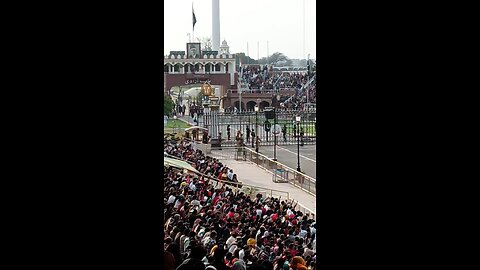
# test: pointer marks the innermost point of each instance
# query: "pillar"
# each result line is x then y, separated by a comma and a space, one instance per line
215, 25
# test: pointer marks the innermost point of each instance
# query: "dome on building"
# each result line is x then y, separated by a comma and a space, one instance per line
224, 49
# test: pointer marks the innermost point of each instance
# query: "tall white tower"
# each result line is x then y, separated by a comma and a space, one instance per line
215, 25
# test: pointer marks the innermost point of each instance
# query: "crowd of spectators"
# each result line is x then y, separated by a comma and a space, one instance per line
207, 165
219, 227
298, 100
260, 78
265, 78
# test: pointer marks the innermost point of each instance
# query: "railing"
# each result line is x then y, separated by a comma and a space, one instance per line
239, 121
297, 179
294, 177
264, 91
300, 207
237, 187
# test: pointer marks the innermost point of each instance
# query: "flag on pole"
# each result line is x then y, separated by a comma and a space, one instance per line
194, 19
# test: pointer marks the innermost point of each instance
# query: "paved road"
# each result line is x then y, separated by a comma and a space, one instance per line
287, 154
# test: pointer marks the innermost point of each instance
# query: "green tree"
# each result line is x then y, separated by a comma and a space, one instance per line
276, 59
167, 105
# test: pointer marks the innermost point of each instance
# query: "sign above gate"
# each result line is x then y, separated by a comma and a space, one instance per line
197, 81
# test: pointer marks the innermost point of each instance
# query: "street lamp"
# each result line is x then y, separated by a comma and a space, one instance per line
256, 128
275, 129
297, 120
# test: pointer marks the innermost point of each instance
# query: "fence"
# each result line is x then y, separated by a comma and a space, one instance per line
298, 179
249, 190
248, 121
292, 176
299, 207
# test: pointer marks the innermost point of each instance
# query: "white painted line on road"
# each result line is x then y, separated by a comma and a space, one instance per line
296, 153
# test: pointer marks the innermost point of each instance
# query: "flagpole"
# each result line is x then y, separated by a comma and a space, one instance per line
303, 29
267, 54
194, 20
248, 59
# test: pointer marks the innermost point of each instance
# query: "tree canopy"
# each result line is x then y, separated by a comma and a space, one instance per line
167, 105
276, 59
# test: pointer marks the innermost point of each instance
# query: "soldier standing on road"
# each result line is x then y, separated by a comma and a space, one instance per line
205, 137
248, 134
253, 138
228, 132
257, 143
284, 131
237, 137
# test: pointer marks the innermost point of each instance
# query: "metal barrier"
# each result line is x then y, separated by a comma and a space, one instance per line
298, 179
292, 176
249, 190
239, 121
299, 207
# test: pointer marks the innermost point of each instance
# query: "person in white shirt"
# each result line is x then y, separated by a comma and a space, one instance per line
259, 211
171, 199
234, 246
192, 186
230, 175
303, 232
308, 251
230, 240
241, 254
313, 230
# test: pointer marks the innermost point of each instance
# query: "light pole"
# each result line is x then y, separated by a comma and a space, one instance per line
275, 129
297, 119
256, 128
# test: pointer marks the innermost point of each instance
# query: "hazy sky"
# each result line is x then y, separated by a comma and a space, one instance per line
280, 22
